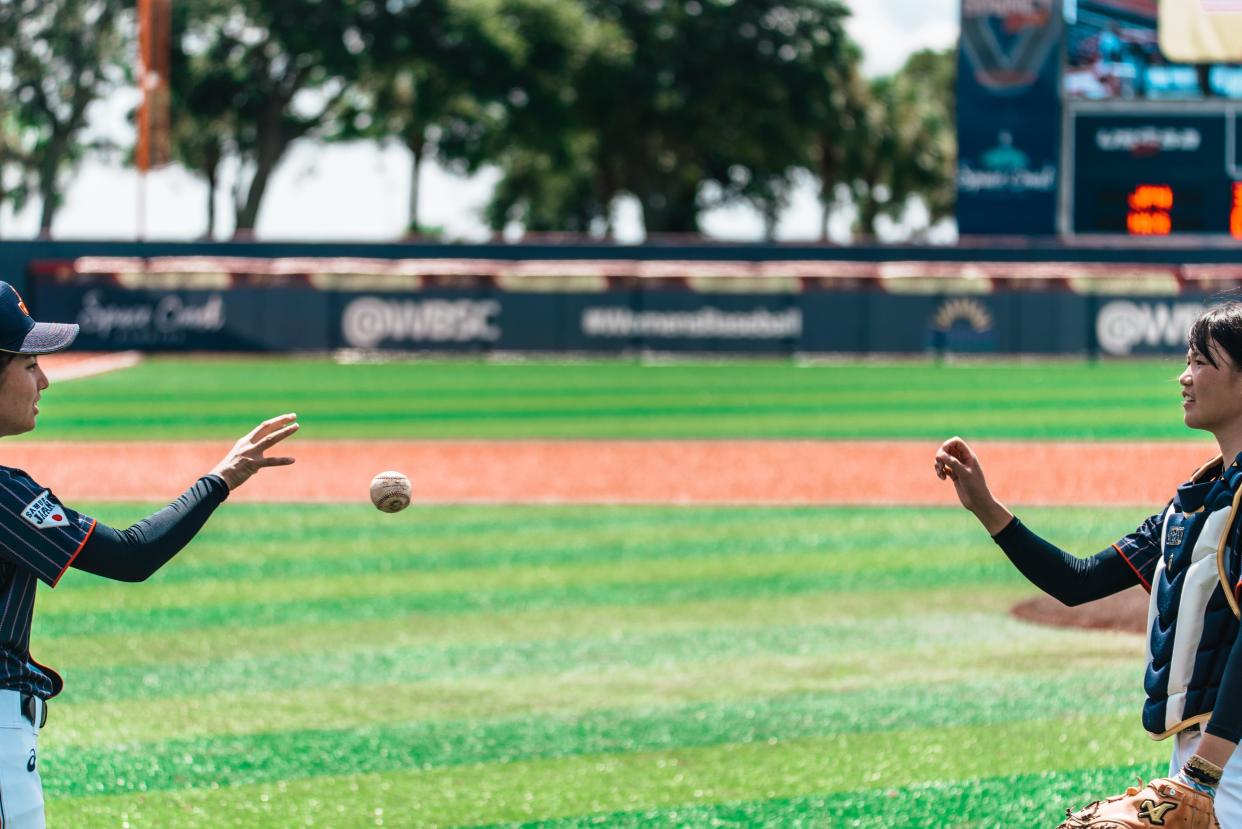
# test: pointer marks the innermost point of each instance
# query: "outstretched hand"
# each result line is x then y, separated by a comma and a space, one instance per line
957, 462
246, 457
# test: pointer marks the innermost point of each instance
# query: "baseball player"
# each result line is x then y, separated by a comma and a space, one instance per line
1188, 557
40, 538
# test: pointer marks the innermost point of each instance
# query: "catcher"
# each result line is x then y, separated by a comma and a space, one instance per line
1188, 557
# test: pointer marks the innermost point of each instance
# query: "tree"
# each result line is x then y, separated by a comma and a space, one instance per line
61, 56
15, 164
928, 168
841, 139
895, 143
259, 75
551, 191
547, 151
685, 104
430, 76
715, 91
204, 89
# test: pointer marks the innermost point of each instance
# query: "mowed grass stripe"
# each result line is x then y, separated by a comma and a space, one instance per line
699, 568
360, 606
558, 787
192, 398
130, 721
245, 541
88, 649
325, 539
412, 664
1012, 800
220, 760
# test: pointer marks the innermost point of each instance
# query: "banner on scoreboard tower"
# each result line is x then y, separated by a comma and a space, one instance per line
1201, 31
1008, 117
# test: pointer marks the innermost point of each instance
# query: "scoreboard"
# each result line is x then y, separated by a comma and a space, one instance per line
1149, 169
1093, 119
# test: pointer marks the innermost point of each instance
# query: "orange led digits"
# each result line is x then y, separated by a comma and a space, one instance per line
1149, 223
1149, 210
1151, 196
1235, 212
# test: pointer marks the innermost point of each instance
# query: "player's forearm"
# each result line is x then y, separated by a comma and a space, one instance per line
1216, 750
1067, 578
993, 515
135, 553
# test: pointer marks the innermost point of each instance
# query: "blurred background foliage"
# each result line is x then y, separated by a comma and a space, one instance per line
685, 105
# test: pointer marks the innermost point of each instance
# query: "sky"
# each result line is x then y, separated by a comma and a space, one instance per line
359, 192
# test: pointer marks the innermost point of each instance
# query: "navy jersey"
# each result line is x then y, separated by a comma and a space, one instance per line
1141, 548
39, 538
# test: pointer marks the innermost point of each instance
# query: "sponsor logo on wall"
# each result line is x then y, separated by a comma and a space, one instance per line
963, 324
1124, 327
164, 319
1005, 168
1007, 42
369, 321
702, 323
968, 312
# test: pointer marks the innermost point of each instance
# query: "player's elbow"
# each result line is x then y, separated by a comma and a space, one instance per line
133, 575
1071, 598
1076, 598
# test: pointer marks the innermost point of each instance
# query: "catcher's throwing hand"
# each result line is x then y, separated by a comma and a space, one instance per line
246, 456
1162, 802
957, 462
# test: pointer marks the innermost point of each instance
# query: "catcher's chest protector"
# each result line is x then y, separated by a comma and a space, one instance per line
1192, 619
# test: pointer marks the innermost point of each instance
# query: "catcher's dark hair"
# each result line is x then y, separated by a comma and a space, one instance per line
1220, 324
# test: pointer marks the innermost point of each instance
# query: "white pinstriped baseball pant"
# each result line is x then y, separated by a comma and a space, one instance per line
21, 789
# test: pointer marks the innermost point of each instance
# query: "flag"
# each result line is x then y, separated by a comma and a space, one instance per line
154, 60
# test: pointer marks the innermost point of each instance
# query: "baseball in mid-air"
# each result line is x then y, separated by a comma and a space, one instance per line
390, 491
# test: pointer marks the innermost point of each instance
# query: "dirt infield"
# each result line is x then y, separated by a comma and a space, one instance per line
679, 472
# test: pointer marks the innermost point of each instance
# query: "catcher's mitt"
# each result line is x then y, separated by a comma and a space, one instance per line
1162, 802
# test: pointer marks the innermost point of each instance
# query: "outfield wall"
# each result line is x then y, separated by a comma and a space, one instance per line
614, 306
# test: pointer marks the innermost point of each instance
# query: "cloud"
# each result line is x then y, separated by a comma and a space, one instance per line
890, 30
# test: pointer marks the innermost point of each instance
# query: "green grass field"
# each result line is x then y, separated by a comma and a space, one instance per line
574, 667
591, 666
172, 398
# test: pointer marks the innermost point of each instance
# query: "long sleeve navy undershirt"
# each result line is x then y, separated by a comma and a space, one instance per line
1074, 580
1067, 578
137, 552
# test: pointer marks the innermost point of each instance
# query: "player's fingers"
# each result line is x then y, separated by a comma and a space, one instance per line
271, 424
957, 447
275, 437
274, 461
943, 465
953, 467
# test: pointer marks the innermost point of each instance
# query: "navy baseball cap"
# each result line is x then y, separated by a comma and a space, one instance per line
20, 334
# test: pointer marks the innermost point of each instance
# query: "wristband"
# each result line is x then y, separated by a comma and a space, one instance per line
1202, 771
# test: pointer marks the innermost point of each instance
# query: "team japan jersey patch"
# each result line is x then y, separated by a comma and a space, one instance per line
1176, 534
45, 513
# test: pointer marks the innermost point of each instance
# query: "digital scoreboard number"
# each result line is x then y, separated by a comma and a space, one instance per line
1142, 170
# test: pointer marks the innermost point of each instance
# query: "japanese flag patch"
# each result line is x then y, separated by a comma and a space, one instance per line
45, 513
